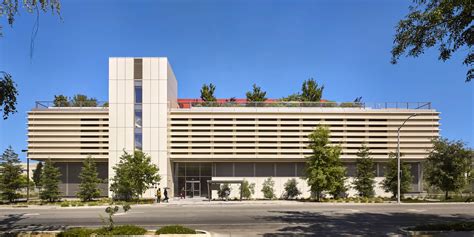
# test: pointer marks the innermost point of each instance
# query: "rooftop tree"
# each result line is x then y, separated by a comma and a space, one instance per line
207, 93
448, 166
10, 175
445, 24
256, 95
79, 100
311, 91
61, 101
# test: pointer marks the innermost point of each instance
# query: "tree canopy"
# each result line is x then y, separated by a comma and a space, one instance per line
364, 180
390, 182
10, 9
89, 185
324, 169
37, 174
207, 93
10, 175
50, 180
446, 24
311, 91
448, 166
256, 95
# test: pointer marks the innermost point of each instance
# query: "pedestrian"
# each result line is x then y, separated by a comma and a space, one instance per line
166, 195
182, 193
158, 195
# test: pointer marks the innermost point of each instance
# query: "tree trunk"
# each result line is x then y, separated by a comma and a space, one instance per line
446, 196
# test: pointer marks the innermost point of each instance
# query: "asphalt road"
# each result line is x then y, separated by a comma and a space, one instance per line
232, 219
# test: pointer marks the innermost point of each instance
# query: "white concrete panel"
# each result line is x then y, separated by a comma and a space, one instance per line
112, 139
112, 91
120, 139
112, 68
162, 116
129, 115
163, 91
154, 68
146, 139
112, 115
129, 96
121, 91
129, 139
154, 91
120, 68
129, 68
162, 139
146, 115
154, 119
154, 136
120, 115
146, 68
146, 91
163, 68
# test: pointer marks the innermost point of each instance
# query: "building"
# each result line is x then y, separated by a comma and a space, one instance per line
192, 141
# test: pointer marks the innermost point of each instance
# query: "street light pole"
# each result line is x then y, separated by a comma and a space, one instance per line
398, 157
27, 176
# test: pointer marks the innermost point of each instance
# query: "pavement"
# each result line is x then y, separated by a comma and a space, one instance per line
249, 218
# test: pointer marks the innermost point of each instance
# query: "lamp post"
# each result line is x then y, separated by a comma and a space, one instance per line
398, 157
27, 175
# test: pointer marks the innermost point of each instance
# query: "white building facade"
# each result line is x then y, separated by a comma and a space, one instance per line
192, 142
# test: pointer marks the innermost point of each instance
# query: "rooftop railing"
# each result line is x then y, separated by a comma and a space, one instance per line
69, 104
361, 105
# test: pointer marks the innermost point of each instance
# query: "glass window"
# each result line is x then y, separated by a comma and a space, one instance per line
264, 170
206, 169
138, 116
138, 68
285, 169
244, 170
300, 167
224, 170
138, 139
351, 169
138, 92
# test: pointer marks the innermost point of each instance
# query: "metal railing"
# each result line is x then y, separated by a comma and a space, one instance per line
69, 104
361, 105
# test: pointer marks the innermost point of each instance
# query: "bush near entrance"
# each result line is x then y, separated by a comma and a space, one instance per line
174, 229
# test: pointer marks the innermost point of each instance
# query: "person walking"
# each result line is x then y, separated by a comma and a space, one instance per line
166, 195
182, 194
158, 195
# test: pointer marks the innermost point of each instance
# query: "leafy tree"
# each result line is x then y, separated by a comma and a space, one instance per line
111, 211
89, 186
207, 93
24, 182
224, 191
10, 175
256, 95
50, 182
311, 91
83, 101
291, 189
364, 181
8, 94
446, 24
267, 188
324, 169
247, 189
61, 101
448, 165
134, 174
37, 174
390, 182
10, 9
291, 98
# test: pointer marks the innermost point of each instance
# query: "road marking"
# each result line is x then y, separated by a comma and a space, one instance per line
32, 214
416, 210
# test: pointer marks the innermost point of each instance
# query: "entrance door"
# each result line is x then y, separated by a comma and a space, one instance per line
193, 188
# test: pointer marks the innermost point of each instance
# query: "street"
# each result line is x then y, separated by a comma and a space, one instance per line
249, 219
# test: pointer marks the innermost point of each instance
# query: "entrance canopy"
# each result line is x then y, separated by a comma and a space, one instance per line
210, 182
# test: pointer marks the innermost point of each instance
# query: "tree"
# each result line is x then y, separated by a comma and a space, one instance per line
446, 24
224, 191
364, 181
291, 189
10, 175
207, 93
37, 174
256, 95
448, 165
247, 189
311, 91
292, 98
10, 9
89, 186
324, 169
390, 182
267, 188
134, 174
79, 100
61, 101
50, 182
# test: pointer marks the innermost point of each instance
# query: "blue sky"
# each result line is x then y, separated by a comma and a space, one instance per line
277, 44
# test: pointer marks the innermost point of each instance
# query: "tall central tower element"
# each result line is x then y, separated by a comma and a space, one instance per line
141, 93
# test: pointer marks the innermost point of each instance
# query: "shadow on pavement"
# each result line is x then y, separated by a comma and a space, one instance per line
8, 225
302, 223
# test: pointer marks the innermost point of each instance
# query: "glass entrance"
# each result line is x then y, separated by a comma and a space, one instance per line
193, 188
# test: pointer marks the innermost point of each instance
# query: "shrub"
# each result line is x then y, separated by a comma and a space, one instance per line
450, 226
267, 189
64, 204
291, 189
224, 191
76, 232
174, 229
121, 230
247, 189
